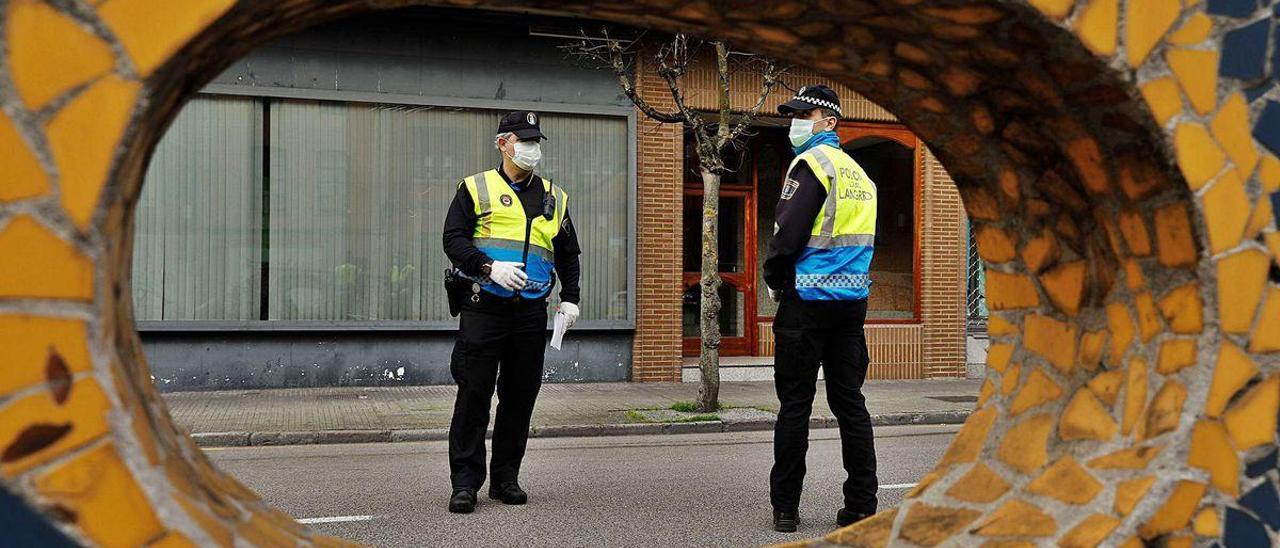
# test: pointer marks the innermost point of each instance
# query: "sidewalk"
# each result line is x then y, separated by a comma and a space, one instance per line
418, 413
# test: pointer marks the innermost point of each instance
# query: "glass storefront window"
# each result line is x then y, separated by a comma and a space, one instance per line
732, 313
892, 166
339, 214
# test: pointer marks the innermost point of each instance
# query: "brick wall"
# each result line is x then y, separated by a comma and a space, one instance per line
659, 162
943, 270
657, 347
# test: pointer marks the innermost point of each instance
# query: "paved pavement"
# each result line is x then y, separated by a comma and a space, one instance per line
680, 490
416, 413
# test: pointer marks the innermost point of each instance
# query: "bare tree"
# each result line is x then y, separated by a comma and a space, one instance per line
713, 133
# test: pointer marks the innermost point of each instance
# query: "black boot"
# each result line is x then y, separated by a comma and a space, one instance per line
846, 517
463, 501
509, 493
785, 522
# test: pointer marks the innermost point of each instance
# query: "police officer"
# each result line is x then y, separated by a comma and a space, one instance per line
817, 267
508, 231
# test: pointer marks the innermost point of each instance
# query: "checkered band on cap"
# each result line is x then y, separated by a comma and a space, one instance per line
816, 101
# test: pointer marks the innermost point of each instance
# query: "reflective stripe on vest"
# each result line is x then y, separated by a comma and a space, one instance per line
500, 231
836, 261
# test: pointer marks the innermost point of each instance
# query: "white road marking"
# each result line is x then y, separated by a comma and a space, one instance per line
335, 519
898, 486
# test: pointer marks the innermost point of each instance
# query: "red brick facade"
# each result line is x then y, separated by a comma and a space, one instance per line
933, 348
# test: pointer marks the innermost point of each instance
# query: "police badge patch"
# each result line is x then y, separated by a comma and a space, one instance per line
789, 189
532, 119
506, 201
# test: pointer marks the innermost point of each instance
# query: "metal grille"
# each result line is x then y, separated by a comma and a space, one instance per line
976, 299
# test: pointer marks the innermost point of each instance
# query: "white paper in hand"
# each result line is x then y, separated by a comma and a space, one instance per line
557, 336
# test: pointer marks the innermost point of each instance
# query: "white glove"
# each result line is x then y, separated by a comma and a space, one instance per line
773, 294
570, 312
508, 275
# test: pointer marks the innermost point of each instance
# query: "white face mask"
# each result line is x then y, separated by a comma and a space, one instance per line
801, 131
528, 154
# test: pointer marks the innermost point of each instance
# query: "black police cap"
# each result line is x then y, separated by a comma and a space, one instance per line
811, 97
523, 123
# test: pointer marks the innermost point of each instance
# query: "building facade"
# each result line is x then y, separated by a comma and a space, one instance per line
289, 230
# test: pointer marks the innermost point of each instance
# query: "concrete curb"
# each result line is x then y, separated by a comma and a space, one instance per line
314, 437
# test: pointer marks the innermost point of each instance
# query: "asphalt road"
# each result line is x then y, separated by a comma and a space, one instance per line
674, 490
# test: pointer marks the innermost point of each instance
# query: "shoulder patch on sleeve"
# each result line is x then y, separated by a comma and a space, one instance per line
789, 189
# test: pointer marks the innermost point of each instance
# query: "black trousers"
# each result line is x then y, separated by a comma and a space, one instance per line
809, 334
499, 345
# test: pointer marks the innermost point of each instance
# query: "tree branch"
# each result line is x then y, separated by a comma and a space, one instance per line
613, 55
771, 77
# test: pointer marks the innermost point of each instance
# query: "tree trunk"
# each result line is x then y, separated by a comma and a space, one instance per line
709, 360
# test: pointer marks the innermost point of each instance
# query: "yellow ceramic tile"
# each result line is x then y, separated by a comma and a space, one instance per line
1041, 251
1197, 73
1128, 493
49, 54
1194, 31
212, 526
21, 176
968, 441
1057, 9
1176, 355
110, 507
1107, 386
1163, 98
1183, 309
1266, 336
1231, 128
1145, 22
1237, 301
1017, 518
1091, 346
1065, 286
151, 31
1053, 339
1133, 277
1010, 291
1223, 204
1174, 241
30, 343
1260, 220
1135, 394
1024, 447
1252, 421
83, 137
1269, 173
1122, 330
1148, 318
1166, 409
1090, 532
36, 428
995, 244
1135, 458
173, 540
998, 356
1233, 371
1273, 243
985, 393
1009, 380
1038, 390
979, 485
260, 532
35, 263
1096, 26
1066, 481
1199, 157
1211, 450
998, 326
1135, 232
931, 525
1207, 523
924, 484
1176, 511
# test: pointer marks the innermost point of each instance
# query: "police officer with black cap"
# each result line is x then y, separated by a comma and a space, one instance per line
509, 237
818, 266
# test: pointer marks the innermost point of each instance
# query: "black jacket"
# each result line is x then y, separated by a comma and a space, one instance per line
801, 200
460, 226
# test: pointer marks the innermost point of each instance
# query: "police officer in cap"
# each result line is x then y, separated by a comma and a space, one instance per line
817, 267
508, 232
